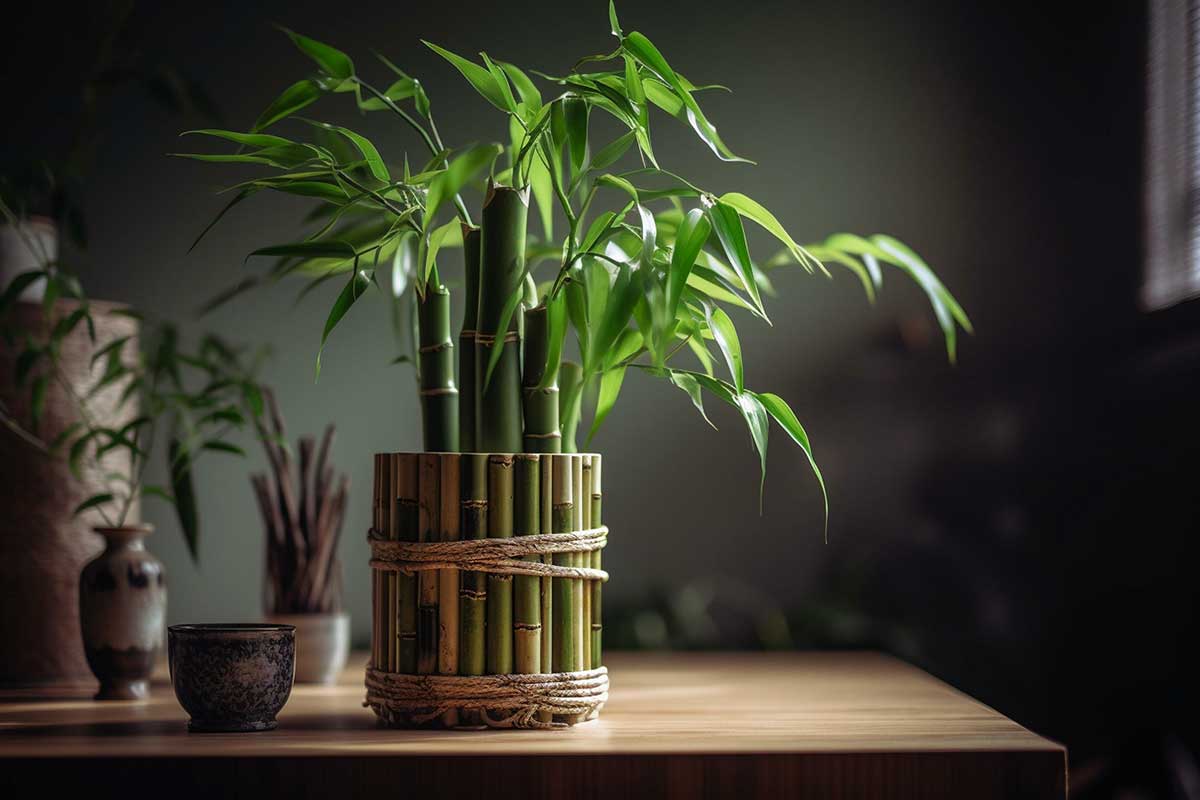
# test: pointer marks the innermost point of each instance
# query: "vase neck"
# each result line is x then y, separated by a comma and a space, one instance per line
128, 537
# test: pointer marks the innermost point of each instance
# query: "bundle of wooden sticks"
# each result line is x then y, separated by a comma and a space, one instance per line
303, 515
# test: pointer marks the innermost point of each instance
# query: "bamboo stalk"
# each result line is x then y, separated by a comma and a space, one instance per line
473, 524
377, 610
546, 512
501, 274
406, 527
527, 601
429, 521
570, 400
448, 579
597, 586
439, 395
388, 579
468, 400
540, 402
500, 587
564, 629
577, 495
585, 560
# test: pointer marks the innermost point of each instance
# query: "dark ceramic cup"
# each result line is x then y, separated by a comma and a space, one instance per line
232, 677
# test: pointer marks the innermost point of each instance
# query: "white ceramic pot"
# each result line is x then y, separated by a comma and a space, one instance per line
322, 644
26, 246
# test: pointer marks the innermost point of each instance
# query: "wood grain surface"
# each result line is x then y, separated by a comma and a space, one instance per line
708, 725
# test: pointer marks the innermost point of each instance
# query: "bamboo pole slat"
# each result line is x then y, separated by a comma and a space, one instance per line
500, 587
406, 527
597, 626
527, 602
429, 493
585, 560
448, 579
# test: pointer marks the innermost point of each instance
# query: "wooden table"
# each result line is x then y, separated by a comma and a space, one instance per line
678, 725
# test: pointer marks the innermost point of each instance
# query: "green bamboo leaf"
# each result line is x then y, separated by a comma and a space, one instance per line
357, 286
506, 314
732, 236
458, 173
947, 308
556, 312
823, 254
510, 102
216, 445
480, 78
576, 293
225, 295
260, 140
598, 280
331, 60
321, 249
617, 310
691, 387
239, 197
726, 337
649, 235
752, 210
529, 93
92, 502
152, 490
297, 96
25, 363
693, 232
64, 326
404, 264
674, 186
642, 49
252, 394
184, 492
702, 282
37, 401
575, 114
448, 235
756, 420
369, 153
612, 19
18, 285
783, 414
700, 350
541, 186
64, 436
616, 181
612, 152
610, 388
401, 89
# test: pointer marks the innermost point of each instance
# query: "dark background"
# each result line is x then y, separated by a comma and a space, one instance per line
1022, 525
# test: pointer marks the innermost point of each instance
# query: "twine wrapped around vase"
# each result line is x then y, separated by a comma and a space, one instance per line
486, 590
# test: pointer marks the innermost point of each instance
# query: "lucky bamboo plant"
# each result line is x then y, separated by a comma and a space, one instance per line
648, 267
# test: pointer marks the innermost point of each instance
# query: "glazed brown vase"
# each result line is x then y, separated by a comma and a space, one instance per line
123, 613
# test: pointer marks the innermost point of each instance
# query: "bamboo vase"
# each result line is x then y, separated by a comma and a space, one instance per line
453, 622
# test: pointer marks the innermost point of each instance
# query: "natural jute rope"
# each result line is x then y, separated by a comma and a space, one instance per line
402, 699
516, 699
497, 556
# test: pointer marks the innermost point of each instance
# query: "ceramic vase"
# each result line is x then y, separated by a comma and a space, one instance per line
122, 611
322, 644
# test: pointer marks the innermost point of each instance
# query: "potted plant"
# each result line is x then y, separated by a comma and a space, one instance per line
41, 189
303, 511
647, 270
101, 427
